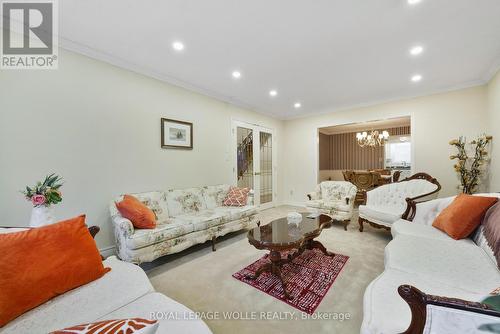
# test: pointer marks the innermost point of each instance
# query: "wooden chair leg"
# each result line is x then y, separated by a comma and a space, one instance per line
213, 244
360, 220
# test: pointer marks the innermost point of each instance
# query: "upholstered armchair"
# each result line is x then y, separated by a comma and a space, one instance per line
391, 202
335, 199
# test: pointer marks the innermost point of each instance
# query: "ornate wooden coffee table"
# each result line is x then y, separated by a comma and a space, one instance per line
280, 236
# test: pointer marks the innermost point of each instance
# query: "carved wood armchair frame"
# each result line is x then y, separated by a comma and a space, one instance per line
418, 301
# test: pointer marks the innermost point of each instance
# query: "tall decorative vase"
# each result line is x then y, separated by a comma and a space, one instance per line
42, 215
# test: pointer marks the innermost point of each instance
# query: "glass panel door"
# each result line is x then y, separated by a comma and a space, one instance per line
266, 167
255, 161
244, 152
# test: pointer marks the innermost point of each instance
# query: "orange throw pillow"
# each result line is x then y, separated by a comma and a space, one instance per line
41, 263
140, 215
463, 215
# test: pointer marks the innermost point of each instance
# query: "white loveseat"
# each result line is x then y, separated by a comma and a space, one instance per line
428, 259
391, 202
124, 292
185, 217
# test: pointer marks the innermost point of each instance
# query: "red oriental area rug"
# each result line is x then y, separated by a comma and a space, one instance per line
308, 278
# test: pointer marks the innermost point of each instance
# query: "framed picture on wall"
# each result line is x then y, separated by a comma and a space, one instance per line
176, 134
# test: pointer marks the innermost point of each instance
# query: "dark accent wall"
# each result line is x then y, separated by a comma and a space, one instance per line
342, 152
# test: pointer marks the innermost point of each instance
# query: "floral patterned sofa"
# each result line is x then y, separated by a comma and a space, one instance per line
185, 217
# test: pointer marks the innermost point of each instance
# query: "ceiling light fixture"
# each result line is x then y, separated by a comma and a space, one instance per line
416, 50
178, 46
236, 74
373, 139
297, 105
416, 78
273, 93
413, 2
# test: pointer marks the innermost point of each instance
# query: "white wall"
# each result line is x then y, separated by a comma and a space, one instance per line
436, 119
494, 130
98, 126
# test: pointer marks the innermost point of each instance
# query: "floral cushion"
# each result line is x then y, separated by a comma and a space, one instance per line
237, 197
337, 190
338, 205
203, 220
185, 201
214, 195
315, 203
173, 229
175, 245
234, 212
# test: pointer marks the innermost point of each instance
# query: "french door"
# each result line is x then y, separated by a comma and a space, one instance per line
255, 161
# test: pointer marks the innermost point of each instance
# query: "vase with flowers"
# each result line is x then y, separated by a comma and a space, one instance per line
43, 196
472, 161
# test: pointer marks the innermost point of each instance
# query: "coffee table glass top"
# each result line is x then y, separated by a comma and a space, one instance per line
280, 232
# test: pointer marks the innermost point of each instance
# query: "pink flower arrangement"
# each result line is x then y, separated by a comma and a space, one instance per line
45, 193
38, 200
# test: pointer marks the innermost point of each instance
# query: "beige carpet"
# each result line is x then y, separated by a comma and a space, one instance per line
201, 280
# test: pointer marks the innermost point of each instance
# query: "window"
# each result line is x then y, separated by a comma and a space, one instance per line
398, 152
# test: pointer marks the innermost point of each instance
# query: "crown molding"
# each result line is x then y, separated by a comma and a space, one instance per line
492, 71
92, 53
401, 98
95, 54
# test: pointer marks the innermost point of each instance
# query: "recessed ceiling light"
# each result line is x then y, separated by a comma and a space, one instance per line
416, 78
273, 93
416, 50
297, 105
178, 46
236, 74
413, 2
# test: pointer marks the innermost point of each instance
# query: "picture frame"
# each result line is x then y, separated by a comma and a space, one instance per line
176, 134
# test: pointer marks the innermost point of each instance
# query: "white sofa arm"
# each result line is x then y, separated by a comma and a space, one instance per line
123, 226
426, 212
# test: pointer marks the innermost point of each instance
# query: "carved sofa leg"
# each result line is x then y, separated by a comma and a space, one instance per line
213, 244
360, 221
346, 222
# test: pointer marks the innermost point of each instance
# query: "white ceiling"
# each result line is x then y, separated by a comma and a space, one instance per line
327, 54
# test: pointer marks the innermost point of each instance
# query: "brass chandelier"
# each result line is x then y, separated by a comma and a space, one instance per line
372, 139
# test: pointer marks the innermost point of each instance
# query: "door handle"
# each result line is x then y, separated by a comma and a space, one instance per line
256, 173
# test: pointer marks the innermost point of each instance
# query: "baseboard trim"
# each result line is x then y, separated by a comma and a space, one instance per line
107, 251
299, 204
